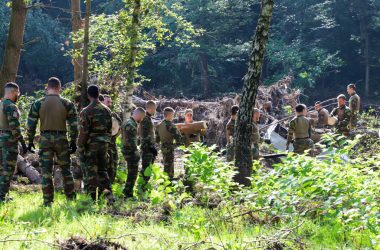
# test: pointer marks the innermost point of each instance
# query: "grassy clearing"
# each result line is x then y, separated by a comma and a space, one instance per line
25, 224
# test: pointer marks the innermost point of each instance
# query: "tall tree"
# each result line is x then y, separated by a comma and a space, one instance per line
243, 154
86, 40
14, 43
76, 23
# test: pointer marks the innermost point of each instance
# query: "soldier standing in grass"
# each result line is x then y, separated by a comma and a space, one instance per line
230, 130
94, 138
54, 112
354, 104
169, 136
147, 139
112, 155
10, 136
130, 149
300, 131
343, 114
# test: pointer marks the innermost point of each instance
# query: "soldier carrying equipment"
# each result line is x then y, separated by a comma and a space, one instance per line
53, 111
343, 114
10, 136
194, 136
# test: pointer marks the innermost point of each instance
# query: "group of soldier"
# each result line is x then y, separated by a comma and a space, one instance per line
302, 127
96, 144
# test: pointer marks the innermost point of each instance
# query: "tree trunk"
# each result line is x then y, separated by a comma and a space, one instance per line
243, 155
203, 65
76, 23
14, 43
131, 75
83, 84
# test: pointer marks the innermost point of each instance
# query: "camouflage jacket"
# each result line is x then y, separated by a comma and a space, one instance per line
354, 103
71, 118
147, 133
299, 128
167, 133
129, 136
95, 124
343, 113
11, 116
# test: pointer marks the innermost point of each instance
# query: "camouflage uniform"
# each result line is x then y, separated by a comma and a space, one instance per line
230, 127
354, 105
300, 131
323, 116
10, 136
343, 113
255, 140
167, 132
113, 158
53, 112
94, 138
147, 138
131, 154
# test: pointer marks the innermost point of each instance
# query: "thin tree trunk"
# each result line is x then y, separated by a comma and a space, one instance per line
12, 52
76, 23
83, 84
203, 65
131, 75
243, 154
367, 66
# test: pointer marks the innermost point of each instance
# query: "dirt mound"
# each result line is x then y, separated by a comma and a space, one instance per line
78, 242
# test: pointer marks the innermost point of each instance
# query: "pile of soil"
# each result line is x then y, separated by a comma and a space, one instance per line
77, 243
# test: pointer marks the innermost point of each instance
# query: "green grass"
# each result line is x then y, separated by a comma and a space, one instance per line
189, 227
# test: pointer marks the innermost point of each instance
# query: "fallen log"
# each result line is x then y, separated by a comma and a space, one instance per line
28, 170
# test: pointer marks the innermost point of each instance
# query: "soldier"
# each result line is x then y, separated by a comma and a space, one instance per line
354, 104
300, 131
230, 130
169, 136
54, 112
255, 137
10, 136
112, 155
94, 138
147, 139
130, 149
343, 114
190, 138
323, 115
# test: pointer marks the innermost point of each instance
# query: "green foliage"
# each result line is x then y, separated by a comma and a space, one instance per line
330, 189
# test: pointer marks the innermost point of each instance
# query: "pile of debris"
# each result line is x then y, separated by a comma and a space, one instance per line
271, 100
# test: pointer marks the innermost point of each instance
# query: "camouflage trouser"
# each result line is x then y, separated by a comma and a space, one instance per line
53, 144
132, 159
96, 168
113, 161
255, 151
8, 161
354, 120
167, 150
230, 151
147, 158
301, 145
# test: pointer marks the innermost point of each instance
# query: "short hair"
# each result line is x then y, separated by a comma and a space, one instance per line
54, 83
101, 98
256, 110
341, 96
93, 91
150, 104
317, 103
11, 85
188, 111
167, 111
139, 110
234, 109
300, 108
351, 86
